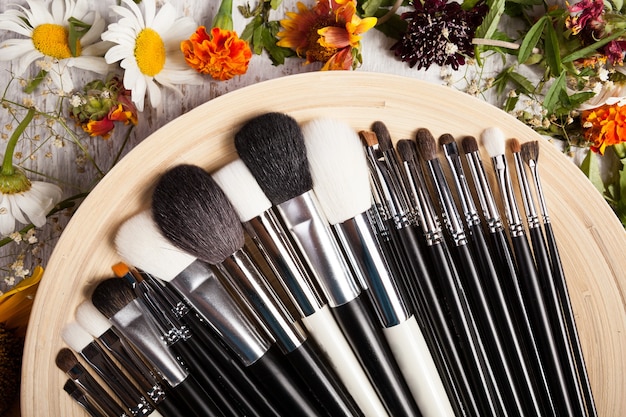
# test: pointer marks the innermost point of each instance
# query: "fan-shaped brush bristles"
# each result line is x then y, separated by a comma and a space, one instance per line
407, 149
469, 144
530, 151
382, 134
75, 336
194, 214
243, 191
65, 359
272, 147
140, 242
338, 167
426, 144
111, 295
493, 141
93, 321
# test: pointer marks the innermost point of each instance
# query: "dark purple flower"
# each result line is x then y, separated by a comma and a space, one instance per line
614, 52
439, 33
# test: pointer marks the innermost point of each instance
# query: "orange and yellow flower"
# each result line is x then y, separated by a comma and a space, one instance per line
604, 126
330, 32
222, 54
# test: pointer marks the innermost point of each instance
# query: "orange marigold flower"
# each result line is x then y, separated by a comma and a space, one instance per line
330, 33
222, 54
604, 126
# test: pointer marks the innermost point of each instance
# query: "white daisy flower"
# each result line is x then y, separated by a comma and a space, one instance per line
45, 24
148, 46
30, 206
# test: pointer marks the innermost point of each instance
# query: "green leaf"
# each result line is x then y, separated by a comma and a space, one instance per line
510, 103
76, 31
581, 53
577, 99
370, 7
248, 31
591, 169
393, 28
554, 93
490, 23
531, 39
257, 39
525, 85
275, 4
553, 53
34, 83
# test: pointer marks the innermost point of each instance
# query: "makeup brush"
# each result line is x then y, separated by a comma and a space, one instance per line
507, 270
340, 181
544, 271
272, 147
494, 292
259, 368
115, 300
494, 142
82, 399
67, 362
190, 208
530, 155
84, 344
462, 384
261, 223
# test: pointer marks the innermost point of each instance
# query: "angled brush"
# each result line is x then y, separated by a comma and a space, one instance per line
340, 181
272, 147
494, 142
262, 224
190, 209
116, 301
530, 156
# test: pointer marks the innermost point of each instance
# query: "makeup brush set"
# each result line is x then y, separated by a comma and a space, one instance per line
332, 272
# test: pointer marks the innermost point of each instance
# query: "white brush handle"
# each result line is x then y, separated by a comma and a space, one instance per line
418, 368
324, 329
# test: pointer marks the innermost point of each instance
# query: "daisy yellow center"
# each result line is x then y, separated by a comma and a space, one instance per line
149, 52
52, 40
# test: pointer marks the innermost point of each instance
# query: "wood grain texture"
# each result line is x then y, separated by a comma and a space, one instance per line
591, 239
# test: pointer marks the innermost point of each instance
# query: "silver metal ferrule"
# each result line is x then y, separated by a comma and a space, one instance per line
140, 330
543, 207
246, 278
201, 287
450, 214
527, 196
359, 241
460, 182
484, 193
511, 210
312, 234
275, 246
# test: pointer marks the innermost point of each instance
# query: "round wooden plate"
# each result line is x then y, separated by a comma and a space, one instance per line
592, 241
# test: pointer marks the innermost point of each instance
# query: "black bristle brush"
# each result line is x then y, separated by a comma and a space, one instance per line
115, 299
67, 362
530, 156
83, 399
272, 147
195, 214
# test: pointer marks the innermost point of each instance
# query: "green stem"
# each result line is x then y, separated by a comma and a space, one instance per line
7, 163
224, 17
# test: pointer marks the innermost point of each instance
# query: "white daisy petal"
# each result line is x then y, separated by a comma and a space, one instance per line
26, 60
13, 48
94, 32
17, 27
164, 20
154, 93
16, 211
7, 220
150, 11
91, 63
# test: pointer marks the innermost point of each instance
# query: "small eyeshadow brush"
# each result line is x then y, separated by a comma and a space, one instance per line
195, 214
494, 142
530, 155
67, 362
113, 299
341, 182
272, 147
82, 398
263, 226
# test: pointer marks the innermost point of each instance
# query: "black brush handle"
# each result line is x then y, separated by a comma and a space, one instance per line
540, 320
196, 399
286, 388
358, 324
570, 321
172, 406
251, 399
556, 316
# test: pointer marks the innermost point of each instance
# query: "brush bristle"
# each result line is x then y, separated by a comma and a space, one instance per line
368, 138
111, 295
530, 151
382, 134
446, 139
75, 336
72, 389
140, 242
120, 269
426, 144
93, 321
272, 147
469, 144
338, 168
514, 145
407, 149
193, 212
244, 193
65, 359
493, 141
